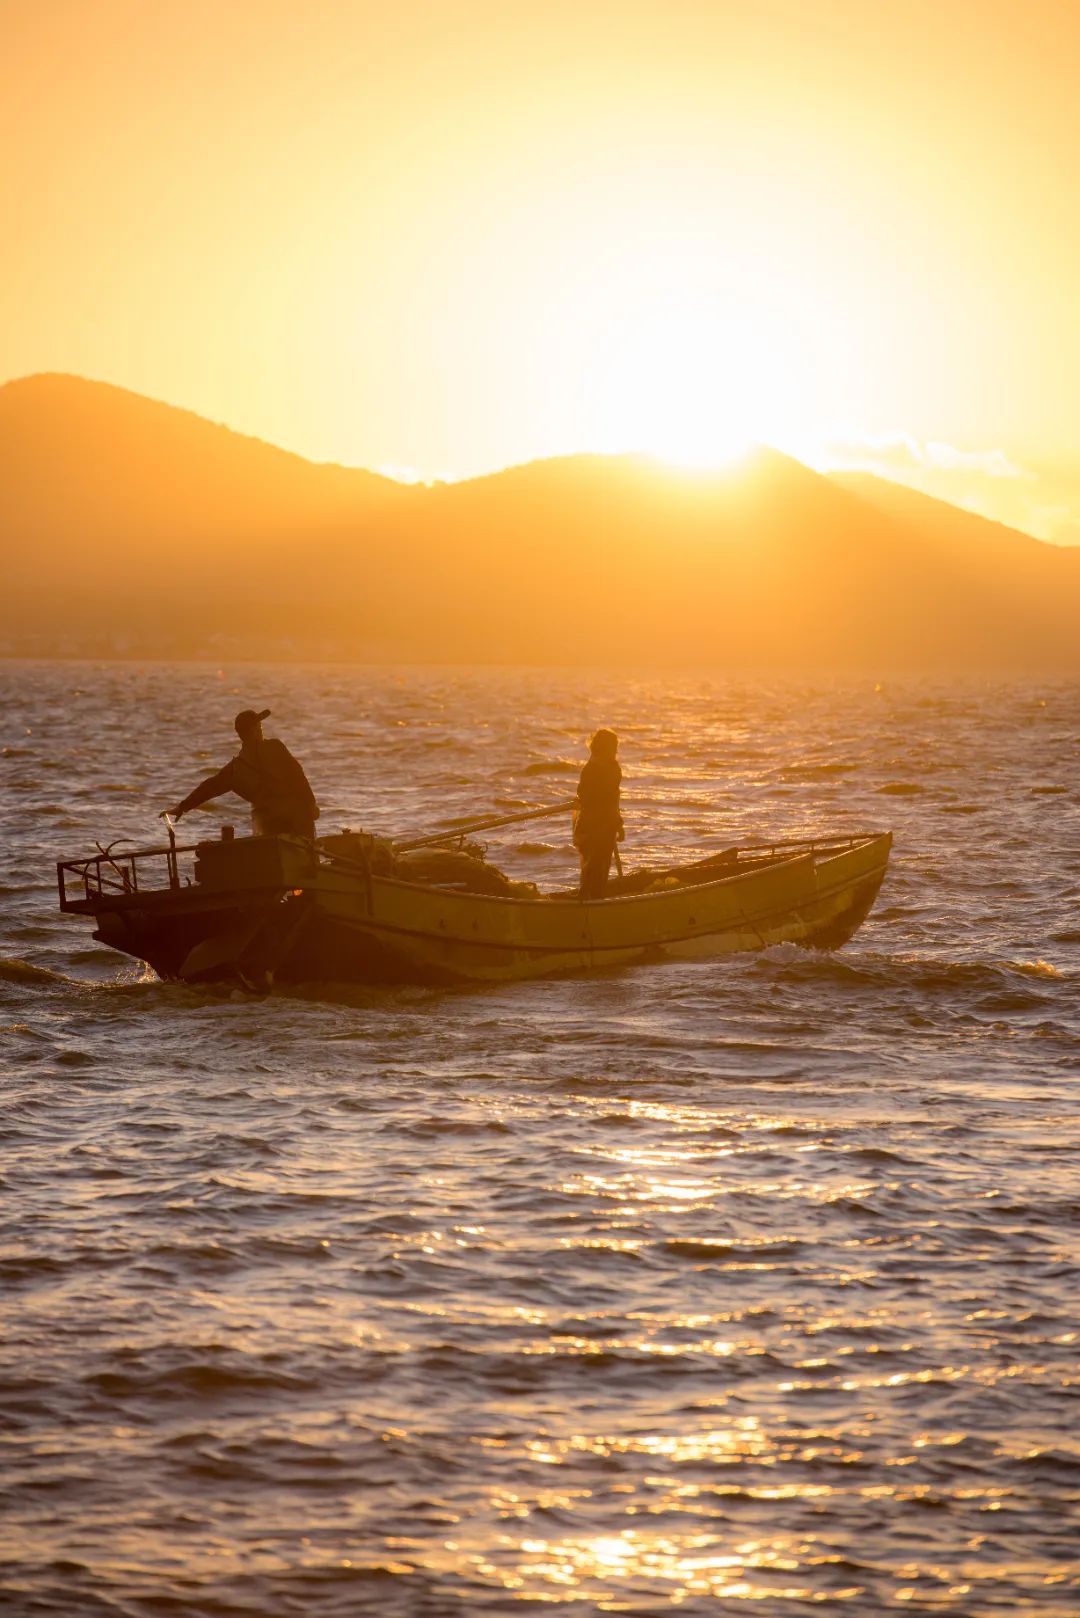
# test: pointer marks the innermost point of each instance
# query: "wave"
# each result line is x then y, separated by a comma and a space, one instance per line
425, 1127
132, 978
683, 1247
924, 972
13, 970
203, 1377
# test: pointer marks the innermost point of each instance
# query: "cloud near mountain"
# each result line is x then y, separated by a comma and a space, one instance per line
1038, 499
137, 529
902, 453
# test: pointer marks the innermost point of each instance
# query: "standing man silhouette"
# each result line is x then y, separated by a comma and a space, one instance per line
267, 776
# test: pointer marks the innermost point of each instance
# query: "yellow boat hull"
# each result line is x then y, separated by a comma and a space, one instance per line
277, 910
434, 934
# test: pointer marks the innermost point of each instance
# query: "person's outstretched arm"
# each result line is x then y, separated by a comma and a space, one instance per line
213, 787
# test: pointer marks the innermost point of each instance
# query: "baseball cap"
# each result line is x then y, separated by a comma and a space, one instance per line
248, 718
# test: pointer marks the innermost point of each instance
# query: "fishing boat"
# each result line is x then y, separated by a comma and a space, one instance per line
265, 910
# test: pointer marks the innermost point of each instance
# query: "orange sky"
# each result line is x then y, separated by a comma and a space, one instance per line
459, 234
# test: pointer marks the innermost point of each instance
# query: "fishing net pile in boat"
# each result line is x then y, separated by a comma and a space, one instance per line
464, 867
360, 848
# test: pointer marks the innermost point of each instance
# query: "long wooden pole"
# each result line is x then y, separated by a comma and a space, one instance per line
452, 833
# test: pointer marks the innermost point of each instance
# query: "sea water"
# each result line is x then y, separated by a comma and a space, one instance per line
740, 1286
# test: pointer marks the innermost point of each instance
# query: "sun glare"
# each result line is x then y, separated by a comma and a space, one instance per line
696, 380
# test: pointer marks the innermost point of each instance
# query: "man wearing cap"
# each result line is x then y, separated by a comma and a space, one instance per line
265, 773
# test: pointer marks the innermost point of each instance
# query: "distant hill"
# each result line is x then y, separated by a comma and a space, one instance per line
133, 528
130, 523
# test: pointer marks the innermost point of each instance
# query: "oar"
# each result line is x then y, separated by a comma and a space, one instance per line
454, 832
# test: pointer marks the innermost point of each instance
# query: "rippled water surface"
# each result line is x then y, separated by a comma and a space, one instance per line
722, 1288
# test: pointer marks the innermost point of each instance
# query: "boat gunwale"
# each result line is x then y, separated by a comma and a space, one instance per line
835, 851
563, 897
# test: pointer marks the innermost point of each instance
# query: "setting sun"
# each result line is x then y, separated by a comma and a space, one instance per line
683, 379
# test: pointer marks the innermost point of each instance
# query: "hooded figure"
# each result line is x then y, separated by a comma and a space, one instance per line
598, 822
264, 773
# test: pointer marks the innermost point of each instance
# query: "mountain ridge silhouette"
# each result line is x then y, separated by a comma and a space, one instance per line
136, 528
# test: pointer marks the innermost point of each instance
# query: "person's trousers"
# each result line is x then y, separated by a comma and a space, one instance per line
596, 853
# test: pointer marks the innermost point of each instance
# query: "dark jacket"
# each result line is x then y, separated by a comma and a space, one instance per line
266, 776
598, 814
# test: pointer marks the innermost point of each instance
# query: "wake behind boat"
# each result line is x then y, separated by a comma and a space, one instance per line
280, 908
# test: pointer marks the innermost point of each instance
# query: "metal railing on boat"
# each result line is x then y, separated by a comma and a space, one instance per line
114, 873
811, 844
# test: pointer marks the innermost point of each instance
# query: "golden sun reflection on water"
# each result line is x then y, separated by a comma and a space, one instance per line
739, 1439
686, 1564
637, 1188
645, 1184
